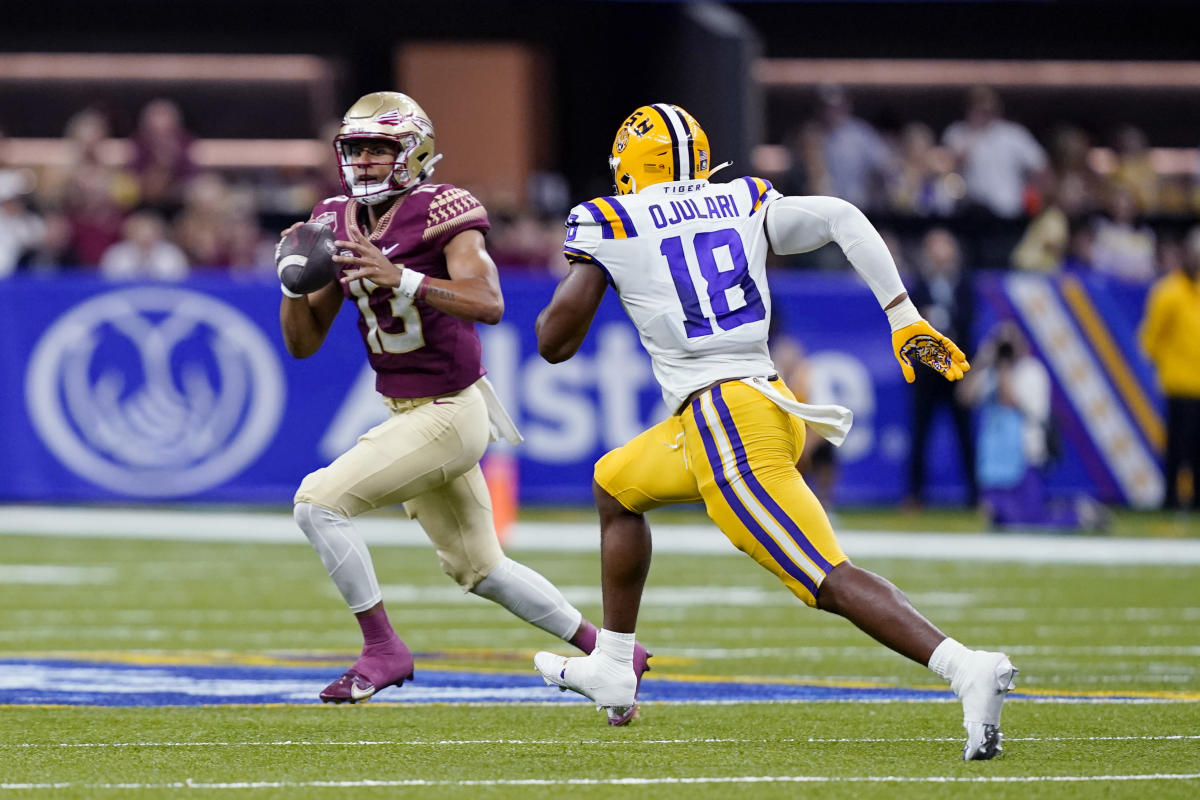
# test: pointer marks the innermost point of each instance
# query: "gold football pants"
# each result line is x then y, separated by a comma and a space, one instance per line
736, 451
426, 456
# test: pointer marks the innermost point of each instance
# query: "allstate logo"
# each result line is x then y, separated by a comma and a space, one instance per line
155, 392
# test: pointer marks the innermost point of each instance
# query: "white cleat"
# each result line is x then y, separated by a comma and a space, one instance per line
609, 684
982, 683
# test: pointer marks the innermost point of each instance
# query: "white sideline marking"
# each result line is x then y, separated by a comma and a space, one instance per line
190, 784
602, 742
267, 527
54, 574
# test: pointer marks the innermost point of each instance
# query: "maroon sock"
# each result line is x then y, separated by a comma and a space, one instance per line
376, 629
585, 638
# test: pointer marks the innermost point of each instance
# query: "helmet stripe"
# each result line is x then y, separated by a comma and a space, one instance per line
681, 140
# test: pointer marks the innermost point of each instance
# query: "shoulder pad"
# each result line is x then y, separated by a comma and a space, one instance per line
451, 208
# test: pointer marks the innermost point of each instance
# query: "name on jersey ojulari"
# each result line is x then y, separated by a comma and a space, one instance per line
615, 222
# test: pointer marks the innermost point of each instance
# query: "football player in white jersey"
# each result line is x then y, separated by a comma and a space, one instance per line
687, 259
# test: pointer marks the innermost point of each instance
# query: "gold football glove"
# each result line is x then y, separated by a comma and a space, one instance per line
920, 343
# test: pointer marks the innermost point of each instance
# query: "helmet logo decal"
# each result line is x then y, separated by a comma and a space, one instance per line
622, 140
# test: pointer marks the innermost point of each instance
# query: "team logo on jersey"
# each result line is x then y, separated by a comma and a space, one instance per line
154, 392
329, 218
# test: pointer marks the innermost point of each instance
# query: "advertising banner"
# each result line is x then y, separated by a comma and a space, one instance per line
120, 392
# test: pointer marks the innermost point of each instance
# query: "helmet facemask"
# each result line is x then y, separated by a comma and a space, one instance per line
399, 179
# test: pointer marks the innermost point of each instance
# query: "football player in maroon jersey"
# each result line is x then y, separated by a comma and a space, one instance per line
413, 262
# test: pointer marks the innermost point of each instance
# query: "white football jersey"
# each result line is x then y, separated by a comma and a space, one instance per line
688, 260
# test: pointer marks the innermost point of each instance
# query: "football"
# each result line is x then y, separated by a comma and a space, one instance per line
304, 259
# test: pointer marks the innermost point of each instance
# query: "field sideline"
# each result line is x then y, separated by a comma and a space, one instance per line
156, 653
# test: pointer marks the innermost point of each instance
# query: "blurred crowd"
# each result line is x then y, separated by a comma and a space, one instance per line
1000, 196
1009, 199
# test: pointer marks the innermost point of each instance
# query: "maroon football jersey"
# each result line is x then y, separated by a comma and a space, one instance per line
415, 349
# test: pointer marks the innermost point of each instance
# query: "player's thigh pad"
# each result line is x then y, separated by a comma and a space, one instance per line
457, 518
650, 470
743, 449
410, 453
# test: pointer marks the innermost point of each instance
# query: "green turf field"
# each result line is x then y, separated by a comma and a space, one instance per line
1077, 632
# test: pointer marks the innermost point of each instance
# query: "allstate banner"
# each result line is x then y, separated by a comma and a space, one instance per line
184, 392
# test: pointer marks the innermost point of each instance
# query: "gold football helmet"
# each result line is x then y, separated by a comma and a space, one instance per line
392, 117
658, 143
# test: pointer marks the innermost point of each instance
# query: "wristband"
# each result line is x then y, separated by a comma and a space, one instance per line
289, 293
411, 283
902, 315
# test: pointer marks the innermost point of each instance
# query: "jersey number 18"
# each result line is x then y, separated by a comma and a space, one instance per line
717, 282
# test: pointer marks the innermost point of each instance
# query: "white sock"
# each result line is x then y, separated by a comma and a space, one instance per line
617, 646
531, 597
343, 552
947, 658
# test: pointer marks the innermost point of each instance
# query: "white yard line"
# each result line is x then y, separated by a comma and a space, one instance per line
608, 743
715, 779
268, 527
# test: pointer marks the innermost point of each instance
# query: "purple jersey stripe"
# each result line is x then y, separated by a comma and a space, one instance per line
574, 254
598, 215
623, 215
743, 513
759, 491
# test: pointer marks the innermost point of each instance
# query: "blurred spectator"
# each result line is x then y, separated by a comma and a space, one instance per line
201, 229
807, 172
20, 229
162, 157
1072, 148
924, 182
856, 157
998, 157
1123, 248
1170, 336
54, 251
248, 249
1135, 170
86, 134
1045, 245
96, 217
943, 293
144, 252
1012, 389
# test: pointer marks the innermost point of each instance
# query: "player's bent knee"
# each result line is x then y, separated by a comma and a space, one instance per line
314, 490
462, 571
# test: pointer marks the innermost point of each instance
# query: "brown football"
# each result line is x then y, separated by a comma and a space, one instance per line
304, 259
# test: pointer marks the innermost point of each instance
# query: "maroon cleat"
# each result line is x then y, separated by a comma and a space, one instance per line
372, 673
641, 665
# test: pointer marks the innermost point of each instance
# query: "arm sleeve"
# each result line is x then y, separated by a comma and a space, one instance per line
801, 224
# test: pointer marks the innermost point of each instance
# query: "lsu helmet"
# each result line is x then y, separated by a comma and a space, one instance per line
396, 118
658, 143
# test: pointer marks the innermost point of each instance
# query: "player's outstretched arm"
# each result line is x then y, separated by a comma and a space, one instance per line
801, 224
563, 324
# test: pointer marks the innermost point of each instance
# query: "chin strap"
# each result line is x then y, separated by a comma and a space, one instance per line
718, 168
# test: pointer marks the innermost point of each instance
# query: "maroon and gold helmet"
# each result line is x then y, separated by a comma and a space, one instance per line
392, 117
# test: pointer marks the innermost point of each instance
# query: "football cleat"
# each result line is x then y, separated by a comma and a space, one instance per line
982, 683
609, 684
641, 664
370, 675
